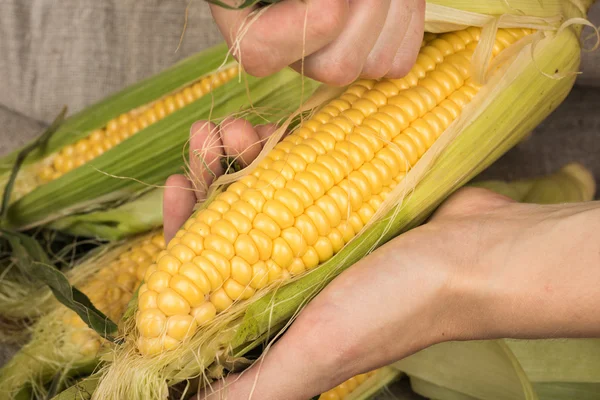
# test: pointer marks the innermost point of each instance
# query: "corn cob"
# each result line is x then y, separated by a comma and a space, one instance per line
61, 340
138, 134
311, 195
128, 124
94, 136
113, 286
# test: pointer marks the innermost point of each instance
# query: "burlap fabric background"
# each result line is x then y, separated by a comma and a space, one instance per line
75, 52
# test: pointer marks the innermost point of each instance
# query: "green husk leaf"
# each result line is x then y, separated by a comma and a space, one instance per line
567, 391
23, 246
432, 391
128, 168
145, 212
136, 216
18, 287
571, 183
134, 96
559, 360
485, 370
22, 156
75, 300
82, 390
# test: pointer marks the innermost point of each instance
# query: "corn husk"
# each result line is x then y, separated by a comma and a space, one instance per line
133, 217
556, 369
144, 160
375, 384
571, 183
49, 359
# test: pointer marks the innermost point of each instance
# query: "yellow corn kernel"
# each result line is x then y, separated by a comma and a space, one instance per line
151, 322
181, 326
204, 313
171, 303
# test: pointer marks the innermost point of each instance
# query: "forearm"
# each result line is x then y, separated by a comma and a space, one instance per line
544, 281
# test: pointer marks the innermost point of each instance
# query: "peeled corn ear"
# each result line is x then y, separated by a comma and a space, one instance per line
114, 150
61, 342
314, 192
341, 176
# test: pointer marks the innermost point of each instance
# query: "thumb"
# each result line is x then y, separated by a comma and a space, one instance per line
283, 372
313, 356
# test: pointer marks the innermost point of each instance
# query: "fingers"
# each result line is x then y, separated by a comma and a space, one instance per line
264, 131
406, 56
333, 41
206, 151
342, 60
381, 59
178, 204
235, 138
241, 140
278, 37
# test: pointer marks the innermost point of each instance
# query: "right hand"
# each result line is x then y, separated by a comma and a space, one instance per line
340, 40
482, 267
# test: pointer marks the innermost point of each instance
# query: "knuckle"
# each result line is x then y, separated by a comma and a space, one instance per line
472, 201
329, 18
255, 60
378, 65
403, 62
338, 72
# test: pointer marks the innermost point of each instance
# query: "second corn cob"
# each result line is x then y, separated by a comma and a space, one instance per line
116, 149
61, 342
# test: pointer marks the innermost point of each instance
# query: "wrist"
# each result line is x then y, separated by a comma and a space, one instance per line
537, 280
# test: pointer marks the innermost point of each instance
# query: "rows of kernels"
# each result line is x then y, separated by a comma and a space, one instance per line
111, 289
128, 124
293, 215
344, 389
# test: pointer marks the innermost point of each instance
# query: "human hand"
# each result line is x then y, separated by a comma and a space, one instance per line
482, 267
208, 145
339, 40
